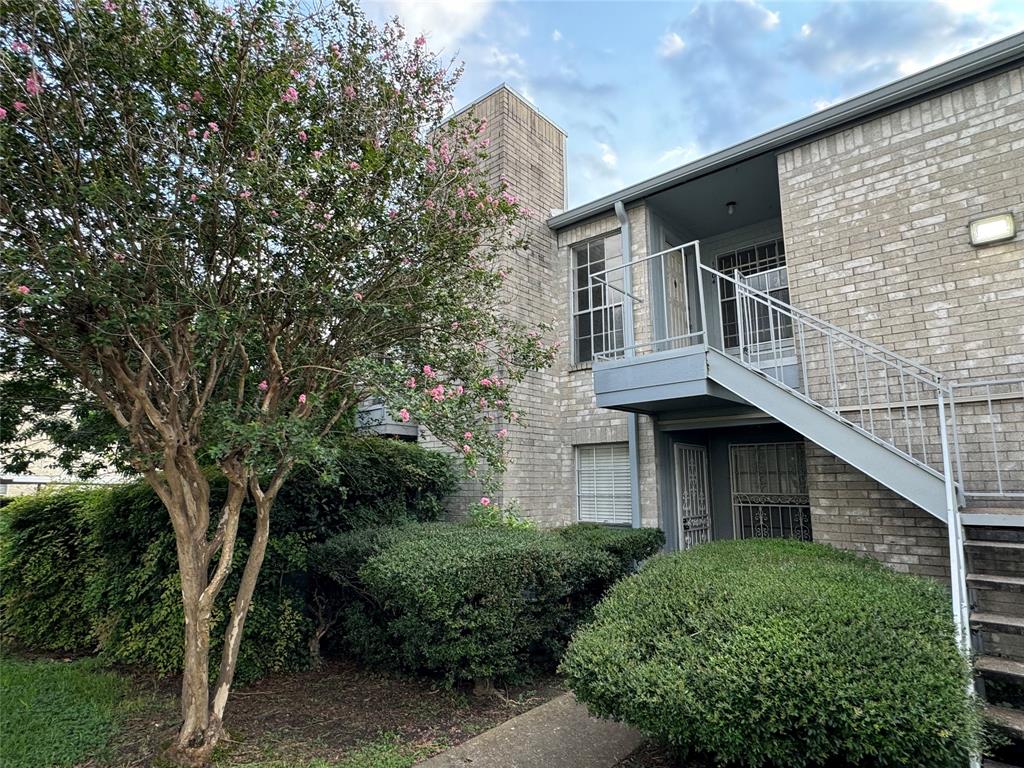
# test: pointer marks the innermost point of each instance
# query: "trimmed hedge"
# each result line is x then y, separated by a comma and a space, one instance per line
464, 602
95, 569
778, 652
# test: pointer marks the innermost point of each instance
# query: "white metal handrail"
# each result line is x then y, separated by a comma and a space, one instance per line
991, 458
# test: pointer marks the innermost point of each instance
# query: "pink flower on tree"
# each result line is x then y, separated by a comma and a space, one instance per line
32, 85
428, 372
354, 165
183, 107
214, 128
349, 92
197, 97
264, 386
303, 136
245, 195
420, 41
467, 450
459, 390
3, 113
20, 106
357, 296
109, 7
484, 501
192, 132
467, 436
274, 214
302, 398
485, 382
513, 416
290, 95
20, 47
411, 382
403, 414
193, 197
502, 433
437, 393
23, 289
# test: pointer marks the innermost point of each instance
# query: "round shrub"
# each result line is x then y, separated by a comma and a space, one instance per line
467, 602
783, 653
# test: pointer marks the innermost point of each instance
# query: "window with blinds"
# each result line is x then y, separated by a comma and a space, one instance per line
602, 484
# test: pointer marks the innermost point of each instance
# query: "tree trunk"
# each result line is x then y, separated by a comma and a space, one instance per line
240, 609
188, 506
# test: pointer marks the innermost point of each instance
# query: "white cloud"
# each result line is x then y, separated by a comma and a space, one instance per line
770, 19
806, 30
670, 44
676, 156
556, 35
608, 157
444, 22
821, 104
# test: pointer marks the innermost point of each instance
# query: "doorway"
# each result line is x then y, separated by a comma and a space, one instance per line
693, 503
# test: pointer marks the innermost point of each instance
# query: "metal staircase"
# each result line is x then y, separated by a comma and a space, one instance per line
955, 450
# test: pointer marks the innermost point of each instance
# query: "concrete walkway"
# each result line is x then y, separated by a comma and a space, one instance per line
559, 733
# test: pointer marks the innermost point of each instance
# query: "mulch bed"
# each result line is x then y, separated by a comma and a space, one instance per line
325, 714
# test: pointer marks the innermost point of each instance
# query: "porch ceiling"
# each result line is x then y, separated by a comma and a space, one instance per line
698, 206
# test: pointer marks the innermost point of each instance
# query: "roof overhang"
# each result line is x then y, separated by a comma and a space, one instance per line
1000, 55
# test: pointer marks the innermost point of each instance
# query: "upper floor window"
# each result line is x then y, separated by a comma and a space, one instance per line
763, 267
597, 297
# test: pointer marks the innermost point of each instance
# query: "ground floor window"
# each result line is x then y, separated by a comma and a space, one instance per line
602, 484
769, 491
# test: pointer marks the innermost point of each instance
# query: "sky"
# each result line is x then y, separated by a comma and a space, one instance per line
643, 87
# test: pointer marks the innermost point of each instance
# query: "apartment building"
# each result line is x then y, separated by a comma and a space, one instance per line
817, 333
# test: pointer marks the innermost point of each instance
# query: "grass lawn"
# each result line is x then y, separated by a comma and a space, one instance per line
75, 713
57, 713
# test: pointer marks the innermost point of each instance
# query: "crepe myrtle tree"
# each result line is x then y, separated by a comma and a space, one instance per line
227, 226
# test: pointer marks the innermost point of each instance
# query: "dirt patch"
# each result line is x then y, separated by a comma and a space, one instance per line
324, 714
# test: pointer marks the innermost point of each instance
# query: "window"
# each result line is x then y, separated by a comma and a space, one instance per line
764, 265
602, 484
769, 491
597, 303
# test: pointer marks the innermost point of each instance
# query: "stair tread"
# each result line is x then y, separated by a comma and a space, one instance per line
1012, 719
996, 764
994, 578
999, 665
994, 544
986, 617
971, 509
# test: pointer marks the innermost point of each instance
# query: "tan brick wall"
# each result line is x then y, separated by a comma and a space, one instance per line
875, 221
557, 405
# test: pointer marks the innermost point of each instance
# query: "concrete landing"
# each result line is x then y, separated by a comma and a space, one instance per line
559, 733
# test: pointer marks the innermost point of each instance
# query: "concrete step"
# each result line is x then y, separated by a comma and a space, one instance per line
997, 517
997, 665
998, 621
1010, 719
995, 581
984, 544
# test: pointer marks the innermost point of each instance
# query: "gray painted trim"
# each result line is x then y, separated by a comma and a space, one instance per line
1001, 54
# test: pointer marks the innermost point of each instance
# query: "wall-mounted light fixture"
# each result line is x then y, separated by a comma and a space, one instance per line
992, 229
730, 207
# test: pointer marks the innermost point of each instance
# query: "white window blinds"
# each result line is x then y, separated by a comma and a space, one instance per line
602, 484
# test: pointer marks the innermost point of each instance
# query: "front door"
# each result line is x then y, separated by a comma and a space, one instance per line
693, 497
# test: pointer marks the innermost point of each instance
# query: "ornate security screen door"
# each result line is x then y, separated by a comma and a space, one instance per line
693, 506
769, 491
